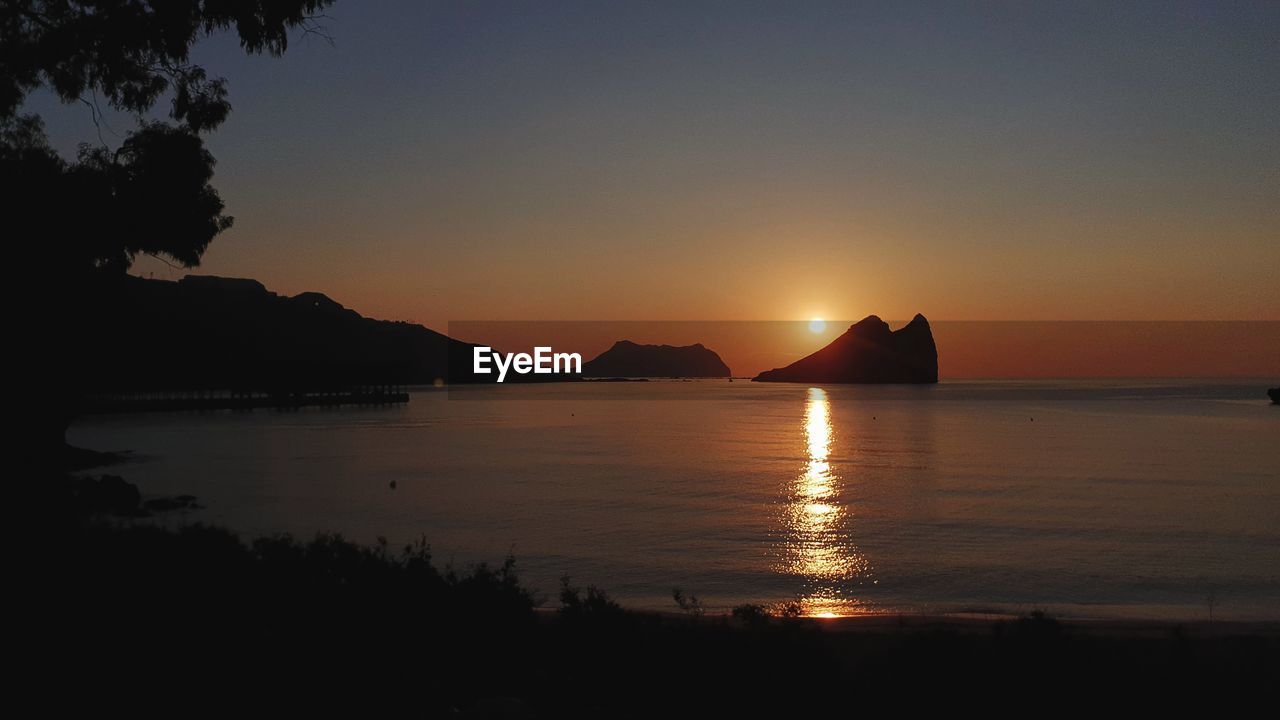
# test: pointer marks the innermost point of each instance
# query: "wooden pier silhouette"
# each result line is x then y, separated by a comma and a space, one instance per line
186, 400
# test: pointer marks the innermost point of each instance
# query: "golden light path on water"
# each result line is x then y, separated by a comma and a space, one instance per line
817, 547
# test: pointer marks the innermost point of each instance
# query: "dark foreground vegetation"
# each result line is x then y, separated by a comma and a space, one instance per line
125, 614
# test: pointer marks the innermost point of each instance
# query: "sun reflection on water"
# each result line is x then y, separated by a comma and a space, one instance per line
816, 543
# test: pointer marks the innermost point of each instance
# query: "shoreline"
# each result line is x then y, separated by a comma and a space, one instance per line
1099, 626
965, 623
149, 510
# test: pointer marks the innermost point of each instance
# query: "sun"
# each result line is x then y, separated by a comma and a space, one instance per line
817, 325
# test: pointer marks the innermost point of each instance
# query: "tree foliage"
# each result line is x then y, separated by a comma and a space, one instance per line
152, 194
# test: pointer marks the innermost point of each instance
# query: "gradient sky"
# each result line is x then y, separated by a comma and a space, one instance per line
756, 161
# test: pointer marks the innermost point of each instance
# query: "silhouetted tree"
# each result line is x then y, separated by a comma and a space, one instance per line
74, 223
152, 194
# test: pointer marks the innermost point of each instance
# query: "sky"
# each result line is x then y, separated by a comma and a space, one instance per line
449, 161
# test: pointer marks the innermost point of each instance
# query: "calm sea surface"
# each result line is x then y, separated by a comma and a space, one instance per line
1108, 499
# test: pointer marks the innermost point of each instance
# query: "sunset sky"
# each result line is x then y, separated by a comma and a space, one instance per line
756, 161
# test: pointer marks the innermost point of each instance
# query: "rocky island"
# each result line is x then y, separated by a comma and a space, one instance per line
631, 360
868, 352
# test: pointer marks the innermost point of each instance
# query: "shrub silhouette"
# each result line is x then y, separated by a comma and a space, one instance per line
752, 614
689, 604
595, 604
310, 622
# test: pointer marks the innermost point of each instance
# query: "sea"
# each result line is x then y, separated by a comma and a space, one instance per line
1127, 499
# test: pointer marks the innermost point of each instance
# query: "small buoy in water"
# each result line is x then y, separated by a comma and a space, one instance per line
393, 484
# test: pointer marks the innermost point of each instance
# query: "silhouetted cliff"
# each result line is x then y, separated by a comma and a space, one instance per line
869, 352
206, 332
627, 359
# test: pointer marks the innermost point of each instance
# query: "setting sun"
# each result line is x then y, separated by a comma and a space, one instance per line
817, 325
